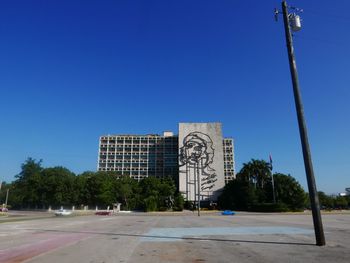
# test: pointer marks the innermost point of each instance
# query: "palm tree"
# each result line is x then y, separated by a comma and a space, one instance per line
256, 172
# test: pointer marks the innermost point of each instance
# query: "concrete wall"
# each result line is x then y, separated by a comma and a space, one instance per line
201, 161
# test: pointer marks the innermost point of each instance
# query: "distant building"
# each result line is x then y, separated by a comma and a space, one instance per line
199, 151
347, 192
229, 158
139, 156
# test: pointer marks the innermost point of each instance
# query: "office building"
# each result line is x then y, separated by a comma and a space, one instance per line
201, 159
139, 156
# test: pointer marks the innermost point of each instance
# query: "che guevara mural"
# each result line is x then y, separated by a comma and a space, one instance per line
200, 161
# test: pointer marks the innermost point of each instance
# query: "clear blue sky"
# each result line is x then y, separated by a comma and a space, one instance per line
71, 71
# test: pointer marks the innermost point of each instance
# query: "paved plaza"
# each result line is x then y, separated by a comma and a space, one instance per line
173, 237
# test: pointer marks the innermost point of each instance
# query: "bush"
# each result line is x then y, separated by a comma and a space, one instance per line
179, 202
150, 204
189, 205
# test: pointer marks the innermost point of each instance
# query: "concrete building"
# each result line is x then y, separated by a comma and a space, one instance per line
198, 156
229, 159
139, 156
201, 161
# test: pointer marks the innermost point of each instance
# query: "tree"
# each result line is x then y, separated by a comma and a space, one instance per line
38, 187
58, 187
27, 184
82, 193
238, 194
128, 193
157, 194
289, 191
341, 202
252, 190
326, 202
98, 188
257, 173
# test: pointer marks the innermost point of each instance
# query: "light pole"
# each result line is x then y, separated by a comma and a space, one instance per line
7, 196
292, 20
273, 181
198, 187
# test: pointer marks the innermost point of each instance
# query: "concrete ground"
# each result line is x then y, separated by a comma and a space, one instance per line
178, 237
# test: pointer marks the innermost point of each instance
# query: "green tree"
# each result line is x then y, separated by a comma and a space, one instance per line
157, 194
341, 202
252, 190
82, 193
100, 188
178, 202
128, 193
40, 187
150, 193
289, 192
238, 194
326, 201
348, 200
28, 184
58, 187
257, 172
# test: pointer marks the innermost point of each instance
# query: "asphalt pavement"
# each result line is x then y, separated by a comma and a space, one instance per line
174, 237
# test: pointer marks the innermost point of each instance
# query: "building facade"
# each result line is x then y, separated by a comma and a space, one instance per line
199, 157
139, 156
229, 159
201, 161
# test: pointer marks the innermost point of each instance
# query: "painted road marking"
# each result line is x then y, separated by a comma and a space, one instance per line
175, 234
44, 243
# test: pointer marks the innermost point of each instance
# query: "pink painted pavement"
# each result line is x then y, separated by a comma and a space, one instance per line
41, 243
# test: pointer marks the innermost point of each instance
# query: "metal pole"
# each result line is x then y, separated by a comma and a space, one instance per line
273, 186
7, 196
199, 190
315, 206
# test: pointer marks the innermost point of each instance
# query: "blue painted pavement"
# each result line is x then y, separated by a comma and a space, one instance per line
175, 234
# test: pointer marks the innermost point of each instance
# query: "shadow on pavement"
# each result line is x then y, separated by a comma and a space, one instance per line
175, 238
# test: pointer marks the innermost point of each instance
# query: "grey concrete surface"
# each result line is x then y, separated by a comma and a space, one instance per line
180, 237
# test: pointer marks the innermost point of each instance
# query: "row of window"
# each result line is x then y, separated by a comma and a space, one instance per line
143, 174
137, 173
135, 137
142, 164
158, 145
150, 160
139, 166
138, 155
151, 169
152, 141
136, 149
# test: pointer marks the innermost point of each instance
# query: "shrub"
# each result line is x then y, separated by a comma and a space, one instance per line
179, 202
150, 204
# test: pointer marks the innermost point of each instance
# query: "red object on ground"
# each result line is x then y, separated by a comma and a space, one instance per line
103, 213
